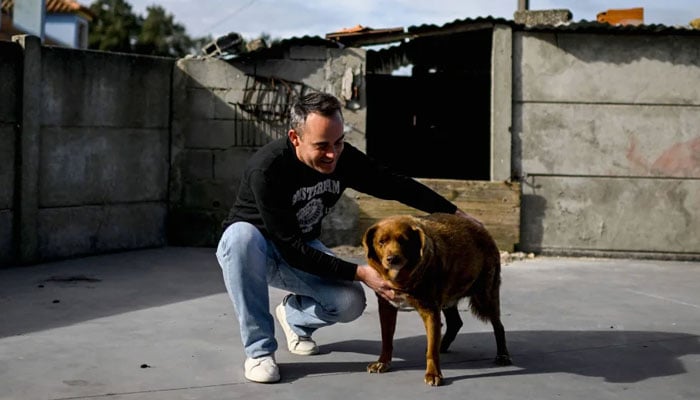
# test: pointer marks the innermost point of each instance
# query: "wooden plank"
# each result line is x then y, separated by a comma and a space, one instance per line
496, 204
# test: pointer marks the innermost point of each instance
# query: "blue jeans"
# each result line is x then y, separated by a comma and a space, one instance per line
250, 263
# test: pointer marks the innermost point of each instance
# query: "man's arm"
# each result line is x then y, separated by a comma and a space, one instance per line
379, 181
370, 277
368, 176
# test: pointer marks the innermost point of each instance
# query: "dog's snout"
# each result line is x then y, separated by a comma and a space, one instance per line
393, 259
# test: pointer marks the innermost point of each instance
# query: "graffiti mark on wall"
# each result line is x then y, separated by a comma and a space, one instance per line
681, 160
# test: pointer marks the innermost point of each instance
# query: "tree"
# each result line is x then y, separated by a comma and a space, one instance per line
117, 28
114, 26
161, 36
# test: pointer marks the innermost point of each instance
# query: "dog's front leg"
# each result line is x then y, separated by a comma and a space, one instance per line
387, 321
431, 319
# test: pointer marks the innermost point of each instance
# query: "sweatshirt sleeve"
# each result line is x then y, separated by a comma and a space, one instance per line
283, 229
373, 178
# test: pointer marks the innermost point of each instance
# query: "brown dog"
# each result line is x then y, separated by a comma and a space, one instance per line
434, 261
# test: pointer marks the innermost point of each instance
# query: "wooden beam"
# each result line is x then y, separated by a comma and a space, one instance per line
496, 204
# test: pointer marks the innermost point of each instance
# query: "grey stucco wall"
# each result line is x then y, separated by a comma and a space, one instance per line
606, 139
208, 152
95, 147
10, 64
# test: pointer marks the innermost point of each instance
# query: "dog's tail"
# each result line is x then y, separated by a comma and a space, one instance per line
484, 301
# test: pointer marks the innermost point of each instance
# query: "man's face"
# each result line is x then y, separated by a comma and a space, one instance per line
320, 143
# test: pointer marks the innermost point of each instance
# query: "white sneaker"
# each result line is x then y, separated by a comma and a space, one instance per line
301, 345
262, 369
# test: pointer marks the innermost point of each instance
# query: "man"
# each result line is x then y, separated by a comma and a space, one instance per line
271, 234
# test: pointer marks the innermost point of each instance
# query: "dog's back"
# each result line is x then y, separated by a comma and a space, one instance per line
470, 260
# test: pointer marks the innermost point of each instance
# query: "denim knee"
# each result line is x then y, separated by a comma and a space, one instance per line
350, 302
238, 238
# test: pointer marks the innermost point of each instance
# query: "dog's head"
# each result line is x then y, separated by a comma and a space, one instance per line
394, 246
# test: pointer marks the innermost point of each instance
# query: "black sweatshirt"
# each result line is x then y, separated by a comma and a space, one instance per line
287, 200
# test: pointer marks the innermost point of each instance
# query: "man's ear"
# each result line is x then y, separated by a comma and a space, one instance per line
294, 137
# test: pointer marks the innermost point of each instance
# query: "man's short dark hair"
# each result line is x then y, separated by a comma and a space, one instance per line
316, 102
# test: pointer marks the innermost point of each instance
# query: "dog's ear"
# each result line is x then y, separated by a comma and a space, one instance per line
424, 242
368, 243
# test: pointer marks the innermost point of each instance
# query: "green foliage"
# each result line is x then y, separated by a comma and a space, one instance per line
161, 36
116, 28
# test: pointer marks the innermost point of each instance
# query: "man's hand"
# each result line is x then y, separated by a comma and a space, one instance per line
462, 214
370, 277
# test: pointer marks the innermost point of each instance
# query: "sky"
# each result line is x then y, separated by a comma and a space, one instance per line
283, 19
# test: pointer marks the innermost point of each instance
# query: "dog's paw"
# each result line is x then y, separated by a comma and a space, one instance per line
503, 360
433, 379
378, 367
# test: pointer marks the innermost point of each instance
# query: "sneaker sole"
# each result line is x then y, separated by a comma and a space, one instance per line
271, 380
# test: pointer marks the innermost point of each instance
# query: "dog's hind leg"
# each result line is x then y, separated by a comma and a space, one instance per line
486, 307
453, 323
502, 355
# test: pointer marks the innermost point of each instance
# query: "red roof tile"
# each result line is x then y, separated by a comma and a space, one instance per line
56, 7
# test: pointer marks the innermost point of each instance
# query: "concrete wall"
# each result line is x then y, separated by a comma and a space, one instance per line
501, 103
212, 136
94, 152
104, 152
606, 139
121, 152
10, 68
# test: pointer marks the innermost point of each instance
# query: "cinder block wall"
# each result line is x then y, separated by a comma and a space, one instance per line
205, 167
10, 68
212, 136
606, 138
95, 143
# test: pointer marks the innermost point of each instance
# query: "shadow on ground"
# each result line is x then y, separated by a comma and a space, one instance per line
63, 293
611, 355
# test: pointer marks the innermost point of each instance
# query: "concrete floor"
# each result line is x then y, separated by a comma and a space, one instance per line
157, 324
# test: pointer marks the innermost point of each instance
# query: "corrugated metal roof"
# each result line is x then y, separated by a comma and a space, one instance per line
486, 21
582, 26
376, 36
